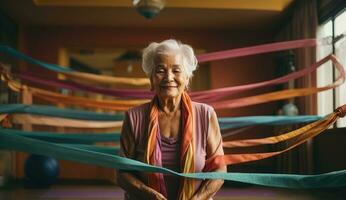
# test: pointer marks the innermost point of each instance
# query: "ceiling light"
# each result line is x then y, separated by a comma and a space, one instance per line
149, 8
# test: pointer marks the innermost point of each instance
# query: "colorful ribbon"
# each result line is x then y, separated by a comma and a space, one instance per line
88, 116
70, 73
122, 105
203, 96
16, 142
105, 80
71, 138
62, 122
284, 94
2, 117
304, 133
86, 154
202, 58
54, 97
264, 48
58, 112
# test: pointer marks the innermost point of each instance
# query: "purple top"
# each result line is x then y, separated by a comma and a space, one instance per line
133, 143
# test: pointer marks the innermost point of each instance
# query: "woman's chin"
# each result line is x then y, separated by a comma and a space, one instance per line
169, 94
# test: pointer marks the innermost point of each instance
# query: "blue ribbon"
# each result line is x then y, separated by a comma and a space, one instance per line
16, 54
225, 123
91, 156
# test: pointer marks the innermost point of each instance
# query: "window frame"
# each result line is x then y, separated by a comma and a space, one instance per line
321, 99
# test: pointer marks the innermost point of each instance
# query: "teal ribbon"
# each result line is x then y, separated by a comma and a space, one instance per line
236, 122
225, 123
74, 138
100, 149
58, 112
16, 54
97, 157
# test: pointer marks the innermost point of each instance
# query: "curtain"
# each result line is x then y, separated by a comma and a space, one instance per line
301, 24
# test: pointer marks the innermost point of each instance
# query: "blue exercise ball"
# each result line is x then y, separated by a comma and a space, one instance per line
41, 171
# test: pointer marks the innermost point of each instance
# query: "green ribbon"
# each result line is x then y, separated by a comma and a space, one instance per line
58, 112
83, 154
75, 138
225, 122
16, 54
101, 149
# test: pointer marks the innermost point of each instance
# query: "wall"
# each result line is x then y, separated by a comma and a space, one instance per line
44, 43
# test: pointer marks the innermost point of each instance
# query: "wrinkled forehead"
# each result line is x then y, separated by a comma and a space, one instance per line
168, 58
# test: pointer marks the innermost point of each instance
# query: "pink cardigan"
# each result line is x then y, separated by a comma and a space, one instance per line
133, 143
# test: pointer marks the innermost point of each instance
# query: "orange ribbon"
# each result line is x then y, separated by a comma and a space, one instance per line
294, 138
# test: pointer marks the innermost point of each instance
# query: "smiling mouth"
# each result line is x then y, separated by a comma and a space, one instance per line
168, 88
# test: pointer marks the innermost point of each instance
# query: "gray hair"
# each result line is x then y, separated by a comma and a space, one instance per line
189, 59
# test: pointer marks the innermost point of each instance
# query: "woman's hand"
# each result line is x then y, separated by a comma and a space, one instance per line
134, 187
156, 195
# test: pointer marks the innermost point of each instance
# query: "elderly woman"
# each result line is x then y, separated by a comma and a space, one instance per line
171, 131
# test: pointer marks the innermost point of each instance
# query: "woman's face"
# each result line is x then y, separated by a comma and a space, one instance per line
168, 78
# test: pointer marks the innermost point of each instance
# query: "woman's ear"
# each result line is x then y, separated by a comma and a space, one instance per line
151, 84
187, 88
187, 84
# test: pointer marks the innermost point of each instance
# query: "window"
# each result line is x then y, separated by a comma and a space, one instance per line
331, 99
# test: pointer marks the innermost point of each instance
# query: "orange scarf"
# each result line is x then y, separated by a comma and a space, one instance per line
153, 151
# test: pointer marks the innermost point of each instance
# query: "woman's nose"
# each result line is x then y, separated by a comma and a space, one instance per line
169, 75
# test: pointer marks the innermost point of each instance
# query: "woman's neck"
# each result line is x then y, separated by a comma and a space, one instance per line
169, 105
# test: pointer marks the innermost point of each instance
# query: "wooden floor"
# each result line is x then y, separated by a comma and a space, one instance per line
108, 192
